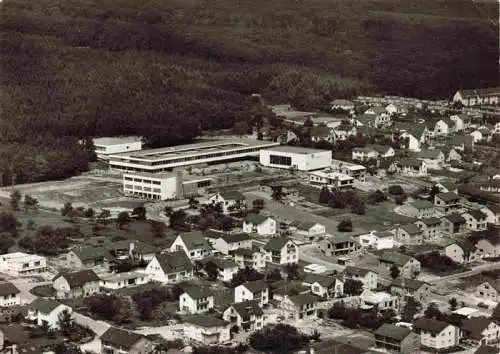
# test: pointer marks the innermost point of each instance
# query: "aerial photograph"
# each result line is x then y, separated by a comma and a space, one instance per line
249, 177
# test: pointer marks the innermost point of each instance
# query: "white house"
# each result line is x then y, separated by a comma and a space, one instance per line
442, 127
281, 250
291, 157
247, 315
462, 251
193, 244
475, 220
474, 97
22, 264
47, 310
10, 295
299, 307
379, 299
254, 257
342, 104
226, 268
227, 243
367, 277
480, 330
462, 121
412, 167
170, 267
76, 284
477, 135
196, 300
330, 179
123, 280
115, 145
434, 158
207, 330
309, 229
420, 209
437, 335
324, 286
253, 290
447, 202
120, 341
383, 117
229, 200
259, 224
378, 240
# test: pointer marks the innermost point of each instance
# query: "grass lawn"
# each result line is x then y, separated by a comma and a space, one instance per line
43, 291
311, 194
380, 215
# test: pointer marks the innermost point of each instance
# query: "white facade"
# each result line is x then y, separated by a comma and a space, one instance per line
227, 273
222, 246
447, 338
8, 300
116, 145
123, 280
226, 203
377, 240
476, 135
151, 186
289, 157
156, 273
267, 227
215, 334
331, 179
52, 318
19, 264
193, 254
474, 224
242, 293
193, 305
369, 279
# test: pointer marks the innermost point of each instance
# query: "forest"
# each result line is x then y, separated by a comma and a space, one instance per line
168, 70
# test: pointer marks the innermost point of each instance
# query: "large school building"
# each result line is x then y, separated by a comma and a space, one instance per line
203, 153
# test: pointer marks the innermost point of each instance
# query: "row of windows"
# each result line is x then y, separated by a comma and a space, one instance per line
146, 181
280, 160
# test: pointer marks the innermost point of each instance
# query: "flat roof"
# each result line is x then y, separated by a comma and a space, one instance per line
150, 174
122, 276
349, 165
295, 149
116, 140
332, 174
17, 255
204, 147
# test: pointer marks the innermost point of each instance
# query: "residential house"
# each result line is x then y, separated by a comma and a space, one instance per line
480, 330
343, 131
408, 266
352, 170
478, 135
461, 142
227, 243
492, 212
281, 250
324, 286
338, 345
321, 133
477, 97
47, 311
451, 154
84, 257
170, 267
378, 240
475, 220
364, 153
226, 268
10, 295
452, 224
120, 341
431, 228
382, 117
340, 245
254, 257
193, 244
342, 104
433, 158
331, 179
300, 306
123, 280
196, 300
380, 300
420, 209
462, 251
394, 339
229, 200
284, 288
308, 229
436, 335
489, 243
409, 234
76, 284
366, 276
247, 315
396, 108
489, 290
405, 287
207, 330
126, 249
441, 126
20, 264
252, 290
415, 136
447, 202
462, 122
410, 167
259, 224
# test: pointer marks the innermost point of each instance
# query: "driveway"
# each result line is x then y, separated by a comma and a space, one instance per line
99, 327
25, 285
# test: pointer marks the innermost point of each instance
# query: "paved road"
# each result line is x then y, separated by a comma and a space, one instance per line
25, 285
99, 327
475, 271
311, 254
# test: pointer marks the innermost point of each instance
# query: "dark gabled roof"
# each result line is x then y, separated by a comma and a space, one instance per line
430, 221
256, 285
494, 283
421, 204
194, 240
448, 196
303, 299
334, 346
411, 229
429, 154
430, 325
490, 91
320, 131
476, 214
248, 308
496, 313
120, 338
246, 252
196, 292
381, 149
466, 245
256, 219
474, 326
407, 283
276, 243
417, 130
486, 349
411, 162
213, 234
232, 195
391, 331
394, 257
323, 280
455, 218
7, 288
361, 272
303, 225
205, 321
221, 263
139, 246
174, 262
88, 253
230, 238
45, 306
79, 278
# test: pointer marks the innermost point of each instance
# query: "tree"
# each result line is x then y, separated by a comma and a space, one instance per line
242, 128
158, 229
30, 225
244, 275
453, 304
353, 287
103, 216
345, 226
394, 271
211, 270
396, 189
139, 212
258, 205
65, 322
358, 206
315, 336
30, 202
273, 275
178, 220
281, 338
15, 198
6, 242
193, 202
376, 197
410, 309
292, 271
324, 195
168, 210
89, 213
432, 311
122, 219
9, 223
277, 193
67, 209
432, 193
